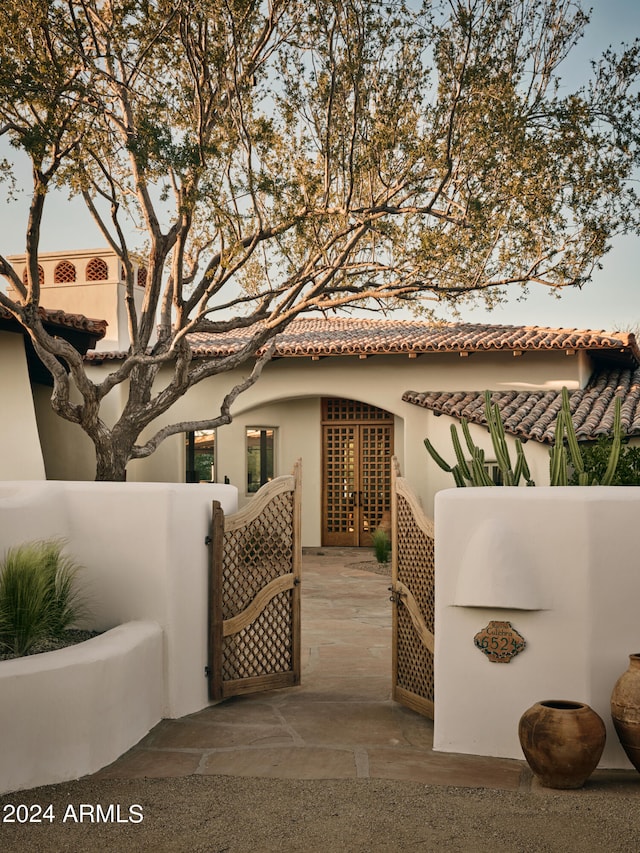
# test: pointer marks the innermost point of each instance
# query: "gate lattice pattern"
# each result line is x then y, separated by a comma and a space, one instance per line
416, 570
414, 594
254, 555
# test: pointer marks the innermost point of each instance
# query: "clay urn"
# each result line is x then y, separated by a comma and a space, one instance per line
625, 710
562, 742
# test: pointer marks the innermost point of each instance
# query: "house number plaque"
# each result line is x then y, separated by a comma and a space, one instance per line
499, 641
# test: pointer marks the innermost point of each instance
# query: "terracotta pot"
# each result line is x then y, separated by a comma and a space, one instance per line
625, 710
562, 742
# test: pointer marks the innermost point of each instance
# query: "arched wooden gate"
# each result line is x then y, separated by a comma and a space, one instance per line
256, 556
413, 595
255, 563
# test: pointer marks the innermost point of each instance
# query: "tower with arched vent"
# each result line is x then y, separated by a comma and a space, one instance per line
91, 282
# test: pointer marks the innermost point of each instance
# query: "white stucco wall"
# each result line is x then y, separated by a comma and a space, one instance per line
570, 555
145, 558
21, 455
70, 712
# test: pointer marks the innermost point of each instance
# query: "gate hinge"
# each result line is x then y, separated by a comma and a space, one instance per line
207, 671
208, 540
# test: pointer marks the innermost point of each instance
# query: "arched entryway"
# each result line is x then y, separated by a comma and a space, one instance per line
357, 446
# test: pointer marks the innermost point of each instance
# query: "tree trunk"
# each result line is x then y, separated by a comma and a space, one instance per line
111, 461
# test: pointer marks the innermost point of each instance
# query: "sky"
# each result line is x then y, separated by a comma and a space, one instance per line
610, 301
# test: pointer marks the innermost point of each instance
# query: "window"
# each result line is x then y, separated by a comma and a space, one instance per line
260, 457
491, 469
97, 270
142, 276
40, 276
201, 456
494, 473
64, 272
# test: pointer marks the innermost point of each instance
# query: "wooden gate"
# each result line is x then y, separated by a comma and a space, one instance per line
255, 565
413, 594
357, 443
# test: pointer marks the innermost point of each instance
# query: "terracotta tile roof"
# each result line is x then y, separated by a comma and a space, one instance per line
354, 336
77, 322
532, 414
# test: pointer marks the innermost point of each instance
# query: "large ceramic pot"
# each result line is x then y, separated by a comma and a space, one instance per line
625, 710
562, 742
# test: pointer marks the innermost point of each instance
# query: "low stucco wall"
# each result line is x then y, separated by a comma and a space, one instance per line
145, 558
560, 564
70, 712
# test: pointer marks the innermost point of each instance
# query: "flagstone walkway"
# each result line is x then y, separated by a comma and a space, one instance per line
340, 723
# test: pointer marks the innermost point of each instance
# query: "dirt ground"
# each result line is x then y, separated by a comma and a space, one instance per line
235, 815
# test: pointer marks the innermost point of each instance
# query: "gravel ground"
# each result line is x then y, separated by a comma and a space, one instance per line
51, 644
214, 814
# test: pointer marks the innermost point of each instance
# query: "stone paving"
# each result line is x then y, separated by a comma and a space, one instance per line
340, 723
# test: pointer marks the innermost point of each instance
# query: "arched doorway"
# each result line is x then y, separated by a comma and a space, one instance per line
357, 446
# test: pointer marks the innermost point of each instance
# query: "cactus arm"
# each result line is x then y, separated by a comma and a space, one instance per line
508, 477
442, 463
557, 454
558, 473
614, 455
563, 476
498, 439
572, 440
522, 466
480, 476
457, 446
458, 477
467, 436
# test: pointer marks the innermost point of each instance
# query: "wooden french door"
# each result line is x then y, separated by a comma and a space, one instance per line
357, 442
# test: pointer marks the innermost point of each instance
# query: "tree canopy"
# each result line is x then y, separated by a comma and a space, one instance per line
273, 157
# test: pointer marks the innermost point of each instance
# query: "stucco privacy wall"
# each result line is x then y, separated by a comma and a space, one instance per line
287, 396
144, 553
568, 554
21, 457
68, 713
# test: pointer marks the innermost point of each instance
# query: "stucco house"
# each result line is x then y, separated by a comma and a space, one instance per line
346, 394
25, 386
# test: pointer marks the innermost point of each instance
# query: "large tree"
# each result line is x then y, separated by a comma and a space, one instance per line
287, 156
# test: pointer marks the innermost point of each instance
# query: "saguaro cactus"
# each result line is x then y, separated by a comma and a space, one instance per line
473, 472
566, 451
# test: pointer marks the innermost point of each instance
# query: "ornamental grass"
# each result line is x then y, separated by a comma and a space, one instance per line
39, 598
381, 545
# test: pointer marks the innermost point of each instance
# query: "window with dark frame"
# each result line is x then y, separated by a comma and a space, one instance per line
201, 456
260, 442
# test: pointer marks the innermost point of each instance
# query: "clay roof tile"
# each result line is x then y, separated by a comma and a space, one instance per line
532, 415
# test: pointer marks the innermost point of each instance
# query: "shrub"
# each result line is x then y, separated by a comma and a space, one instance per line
38, 598
381, 545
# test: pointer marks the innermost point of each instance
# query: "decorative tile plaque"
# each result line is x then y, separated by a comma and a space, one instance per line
499, 641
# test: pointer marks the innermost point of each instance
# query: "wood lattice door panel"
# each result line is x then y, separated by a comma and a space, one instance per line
413, 594
256, 559
340, 492
375, 478
357, 448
